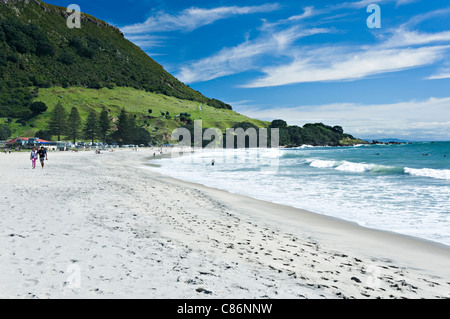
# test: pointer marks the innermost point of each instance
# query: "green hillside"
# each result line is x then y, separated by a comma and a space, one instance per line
136, 102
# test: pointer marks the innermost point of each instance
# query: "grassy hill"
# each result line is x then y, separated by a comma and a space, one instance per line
136, 102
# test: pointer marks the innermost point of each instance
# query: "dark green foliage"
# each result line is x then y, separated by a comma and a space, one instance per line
295, 136
90, 129
141, 136
58, 121
26, 38
13, 57
5, 132
185, 118
84, 47
38, 108
73, 126
66, 58
44, 135
278, 124
2, 35
128, 132
124, 132
15, 102
104, 125
219, 104
3, 59
284, 136
338, 130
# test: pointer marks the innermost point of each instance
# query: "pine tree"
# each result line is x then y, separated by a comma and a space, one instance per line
58, 121
104, 125
91, 126
74, 125
123, 133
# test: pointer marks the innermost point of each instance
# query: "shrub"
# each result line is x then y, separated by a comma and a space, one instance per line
66, 58
38, 108
5, 132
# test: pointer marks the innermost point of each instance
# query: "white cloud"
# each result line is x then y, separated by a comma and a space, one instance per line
401, 37
396, 50
403, 2
307, 13
146, 41
365, 3
334, 66
427, 120
442, 74
416, 20
242, 58
194, 18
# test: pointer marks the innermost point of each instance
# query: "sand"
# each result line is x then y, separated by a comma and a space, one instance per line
105, 226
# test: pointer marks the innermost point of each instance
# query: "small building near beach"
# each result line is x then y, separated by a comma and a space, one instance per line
29, 142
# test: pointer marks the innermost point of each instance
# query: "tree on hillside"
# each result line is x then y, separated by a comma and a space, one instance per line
278, 124
141, 136
91, 126
58, 121
74, 125
104, 125
5, 132
281, 125
38, 108
43, 135
125, 128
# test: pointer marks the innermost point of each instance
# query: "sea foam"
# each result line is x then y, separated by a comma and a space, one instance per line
429, 172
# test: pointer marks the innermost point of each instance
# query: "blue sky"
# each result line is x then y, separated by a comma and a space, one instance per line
304, 61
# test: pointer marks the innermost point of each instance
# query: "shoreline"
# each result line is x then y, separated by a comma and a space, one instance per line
290, 214
112, 229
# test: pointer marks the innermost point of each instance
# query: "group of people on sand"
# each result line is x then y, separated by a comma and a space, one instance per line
41, 154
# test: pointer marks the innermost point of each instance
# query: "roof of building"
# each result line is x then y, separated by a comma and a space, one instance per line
20, 139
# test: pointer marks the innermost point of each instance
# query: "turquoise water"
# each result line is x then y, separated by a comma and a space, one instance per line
400, 188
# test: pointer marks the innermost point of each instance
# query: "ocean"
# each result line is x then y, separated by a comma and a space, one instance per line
399, 188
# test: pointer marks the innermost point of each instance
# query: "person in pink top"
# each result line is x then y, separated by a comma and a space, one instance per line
33, 157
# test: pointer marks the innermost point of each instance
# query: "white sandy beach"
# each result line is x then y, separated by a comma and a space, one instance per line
104, 226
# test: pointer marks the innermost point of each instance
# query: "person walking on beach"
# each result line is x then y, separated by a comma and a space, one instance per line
33, 157
43, 156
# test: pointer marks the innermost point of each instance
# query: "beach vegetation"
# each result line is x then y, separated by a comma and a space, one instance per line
91, 126
104, 125
74, 123
5, 132
58, 121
